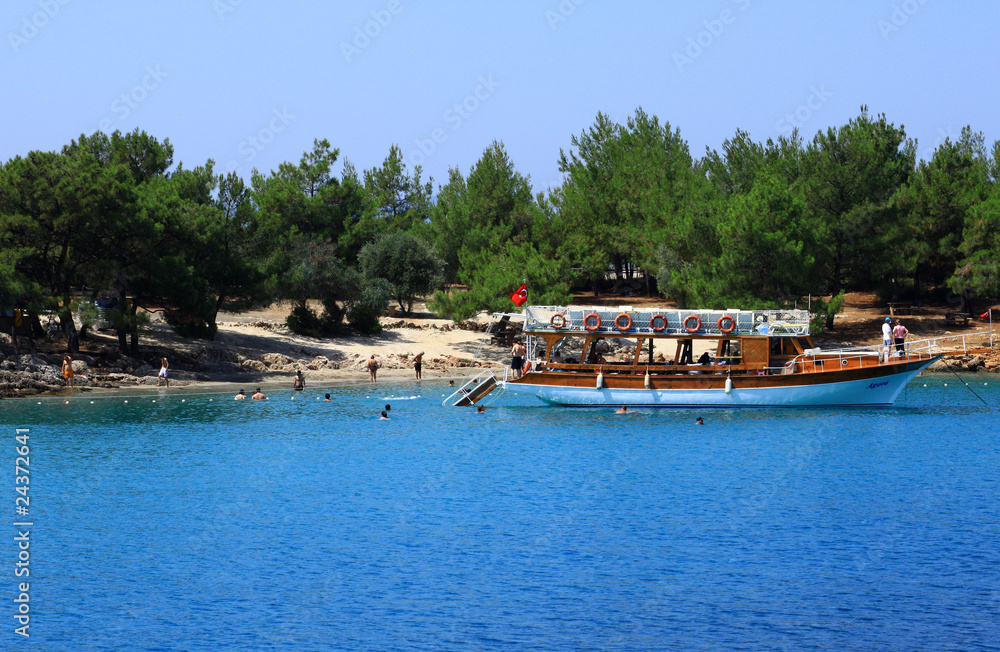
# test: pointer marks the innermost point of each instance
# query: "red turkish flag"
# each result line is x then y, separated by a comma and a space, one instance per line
520, 295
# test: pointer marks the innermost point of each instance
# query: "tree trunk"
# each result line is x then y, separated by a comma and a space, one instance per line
69, 330
133, 329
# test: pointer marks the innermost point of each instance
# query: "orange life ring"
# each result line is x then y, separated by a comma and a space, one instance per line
558, 317
628, 324
732, 324
661, 327
697, 323
527, 366
586, 322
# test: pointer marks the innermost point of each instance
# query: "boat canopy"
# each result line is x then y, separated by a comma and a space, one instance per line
665, 322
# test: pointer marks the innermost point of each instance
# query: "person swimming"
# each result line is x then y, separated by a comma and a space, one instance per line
699, 421
622, 410
240, 396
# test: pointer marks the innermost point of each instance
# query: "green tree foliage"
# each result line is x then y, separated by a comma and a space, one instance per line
491, 209
496, 276
936, 205
979, 269
393, 200
312, 271
628, 188
409, 264
850, 176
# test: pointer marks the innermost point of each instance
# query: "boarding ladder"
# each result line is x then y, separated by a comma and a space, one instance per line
475, 389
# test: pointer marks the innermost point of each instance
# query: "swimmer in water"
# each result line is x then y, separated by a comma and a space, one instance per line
240, 396
384, 416
623, 410
699, 421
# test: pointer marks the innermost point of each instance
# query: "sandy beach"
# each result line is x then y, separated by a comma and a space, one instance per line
256, 348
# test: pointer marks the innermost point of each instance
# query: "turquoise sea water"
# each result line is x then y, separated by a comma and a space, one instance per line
197, 524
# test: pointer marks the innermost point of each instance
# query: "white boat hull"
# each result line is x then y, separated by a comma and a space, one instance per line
882, 390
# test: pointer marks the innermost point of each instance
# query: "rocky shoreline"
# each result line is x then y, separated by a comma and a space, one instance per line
100, 365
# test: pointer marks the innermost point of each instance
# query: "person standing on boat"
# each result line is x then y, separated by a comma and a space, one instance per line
887, 338
517, 353
899, 337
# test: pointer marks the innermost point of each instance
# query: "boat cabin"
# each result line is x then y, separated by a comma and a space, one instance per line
666, 341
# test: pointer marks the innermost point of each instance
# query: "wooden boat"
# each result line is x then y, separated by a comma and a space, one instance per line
749, 358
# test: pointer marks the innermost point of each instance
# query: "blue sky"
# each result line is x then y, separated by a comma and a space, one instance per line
251, 83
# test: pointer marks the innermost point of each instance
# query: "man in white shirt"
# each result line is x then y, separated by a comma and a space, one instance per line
887, 337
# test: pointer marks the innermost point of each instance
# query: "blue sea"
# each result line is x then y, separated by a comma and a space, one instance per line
183, 520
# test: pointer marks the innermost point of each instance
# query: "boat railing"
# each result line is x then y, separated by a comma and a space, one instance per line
665, 322
913, 351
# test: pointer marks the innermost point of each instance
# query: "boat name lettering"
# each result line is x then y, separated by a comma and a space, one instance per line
877, 385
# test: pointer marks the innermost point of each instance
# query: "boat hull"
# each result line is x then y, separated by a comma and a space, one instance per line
863, 387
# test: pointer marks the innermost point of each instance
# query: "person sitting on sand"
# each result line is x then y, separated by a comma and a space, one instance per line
239, 396
258, 395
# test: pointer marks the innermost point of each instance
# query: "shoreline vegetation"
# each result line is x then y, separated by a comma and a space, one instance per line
113, 230
256, 348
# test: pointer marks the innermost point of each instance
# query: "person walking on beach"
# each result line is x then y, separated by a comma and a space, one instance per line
418, 361
517, 353
886, 338
299, 383
372, 368
164, 365
67, 370
899, 337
